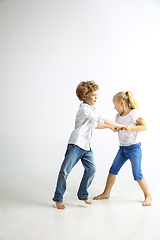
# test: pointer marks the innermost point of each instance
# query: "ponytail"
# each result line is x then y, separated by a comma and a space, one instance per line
132, 100
128, 97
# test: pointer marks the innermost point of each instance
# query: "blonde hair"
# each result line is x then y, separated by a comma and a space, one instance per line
84, 88
128, 97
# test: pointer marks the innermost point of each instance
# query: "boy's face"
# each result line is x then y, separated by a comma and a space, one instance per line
91, 98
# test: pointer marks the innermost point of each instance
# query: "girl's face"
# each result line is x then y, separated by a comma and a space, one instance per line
91, 99
119, 106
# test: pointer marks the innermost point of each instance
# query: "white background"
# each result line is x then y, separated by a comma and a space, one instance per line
46, 49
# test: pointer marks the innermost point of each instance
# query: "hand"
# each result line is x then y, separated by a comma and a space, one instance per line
113, 129
127, 128
117, 129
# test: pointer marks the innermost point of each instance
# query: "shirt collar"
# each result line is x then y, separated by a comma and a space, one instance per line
87, 105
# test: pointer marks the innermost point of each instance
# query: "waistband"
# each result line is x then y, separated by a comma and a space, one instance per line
131, 146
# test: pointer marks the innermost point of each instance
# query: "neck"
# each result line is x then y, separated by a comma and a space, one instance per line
88, 104
125, 111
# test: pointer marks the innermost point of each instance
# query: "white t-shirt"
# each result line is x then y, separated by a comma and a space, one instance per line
127, 138
86, 120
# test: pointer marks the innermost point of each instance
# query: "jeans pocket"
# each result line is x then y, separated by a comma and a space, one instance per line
135, 147
71, 145
139, 147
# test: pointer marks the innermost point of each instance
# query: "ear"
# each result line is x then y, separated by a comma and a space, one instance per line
122, 103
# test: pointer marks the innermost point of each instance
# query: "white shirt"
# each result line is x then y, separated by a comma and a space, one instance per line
127, 138
86, 120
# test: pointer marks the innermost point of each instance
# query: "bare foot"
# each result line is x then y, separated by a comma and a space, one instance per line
102, 196
60, 205
88, 201
147, 201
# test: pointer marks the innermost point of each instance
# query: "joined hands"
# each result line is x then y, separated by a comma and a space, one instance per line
123, 127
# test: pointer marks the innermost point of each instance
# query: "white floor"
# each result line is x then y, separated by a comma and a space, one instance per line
27, 213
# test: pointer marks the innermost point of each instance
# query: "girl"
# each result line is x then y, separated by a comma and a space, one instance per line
130, 145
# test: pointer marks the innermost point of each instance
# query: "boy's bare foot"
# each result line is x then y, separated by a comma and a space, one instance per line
147, 201
60, 205
102, 196
88, 201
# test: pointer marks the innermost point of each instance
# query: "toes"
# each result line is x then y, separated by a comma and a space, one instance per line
60, 206
95, 198
98, 197
147, 202
88, 202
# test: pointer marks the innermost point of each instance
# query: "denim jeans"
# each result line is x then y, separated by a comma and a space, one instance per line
72, 156
134, 154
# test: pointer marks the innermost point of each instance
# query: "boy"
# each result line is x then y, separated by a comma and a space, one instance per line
79, 144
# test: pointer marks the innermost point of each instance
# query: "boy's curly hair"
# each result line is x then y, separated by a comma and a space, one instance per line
84, 88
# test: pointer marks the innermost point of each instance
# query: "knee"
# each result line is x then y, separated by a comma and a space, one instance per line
138, 176
64, 173
92, 170
113, 171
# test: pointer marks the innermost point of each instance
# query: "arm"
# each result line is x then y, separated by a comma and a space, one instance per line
141, 126
88, 113
112, 124
102, 126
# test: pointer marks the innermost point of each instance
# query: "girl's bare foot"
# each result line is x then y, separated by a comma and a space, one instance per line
147, 201
102, 196
88, 201
60, 205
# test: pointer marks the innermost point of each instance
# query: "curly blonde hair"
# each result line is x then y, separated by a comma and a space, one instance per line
84, 88
128, 97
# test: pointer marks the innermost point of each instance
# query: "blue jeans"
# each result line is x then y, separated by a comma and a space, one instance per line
72, 156
134, 154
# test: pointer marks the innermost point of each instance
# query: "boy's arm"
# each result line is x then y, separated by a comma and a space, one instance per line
141, 126
102, 126
88, 113
112, 124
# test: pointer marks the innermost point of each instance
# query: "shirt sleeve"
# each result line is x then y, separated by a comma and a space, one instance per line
135, 115
92, 115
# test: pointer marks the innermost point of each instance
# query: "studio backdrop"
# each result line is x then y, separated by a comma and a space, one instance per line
46, 49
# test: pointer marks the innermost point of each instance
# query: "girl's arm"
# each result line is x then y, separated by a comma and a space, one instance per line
141, 126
